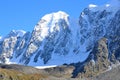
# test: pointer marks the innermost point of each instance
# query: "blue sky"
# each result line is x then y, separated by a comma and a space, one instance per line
24, 14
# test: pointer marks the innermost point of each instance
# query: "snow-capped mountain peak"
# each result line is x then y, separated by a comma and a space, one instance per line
17, 33
51, 23
55, 16
49, 20
112, 5
20, 32
92, 5
115, 3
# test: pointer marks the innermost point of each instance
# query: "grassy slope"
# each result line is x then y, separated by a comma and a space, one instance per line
15, 75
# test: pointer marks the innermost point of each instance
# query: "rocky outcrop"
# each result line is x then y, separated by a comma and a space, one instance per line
98, 61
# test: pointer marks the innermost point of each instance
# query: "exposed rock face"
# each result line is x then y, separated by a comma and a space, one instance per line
114, 39
97, 61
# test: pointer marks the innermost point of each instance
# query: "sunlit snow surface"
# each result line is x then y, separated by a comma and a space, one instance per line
19, 33
48, 22
112, 5
44, 67
0, 38
92, 5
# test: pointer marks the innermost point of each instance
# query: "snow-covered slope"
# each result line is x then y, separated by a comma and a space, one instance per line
57, 39
0, 38
8, 44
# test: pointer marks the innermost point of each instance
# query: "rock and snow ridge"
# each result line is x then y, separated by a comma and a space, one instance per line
112, 5
56, 39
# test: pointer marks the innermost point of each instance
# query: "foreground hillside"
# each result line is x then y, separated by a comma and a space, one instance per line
9, 72
16, 75
19, 72
113, 74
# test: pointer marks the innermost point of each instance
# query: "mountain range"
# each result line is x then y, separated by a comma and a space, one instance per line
91, 45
